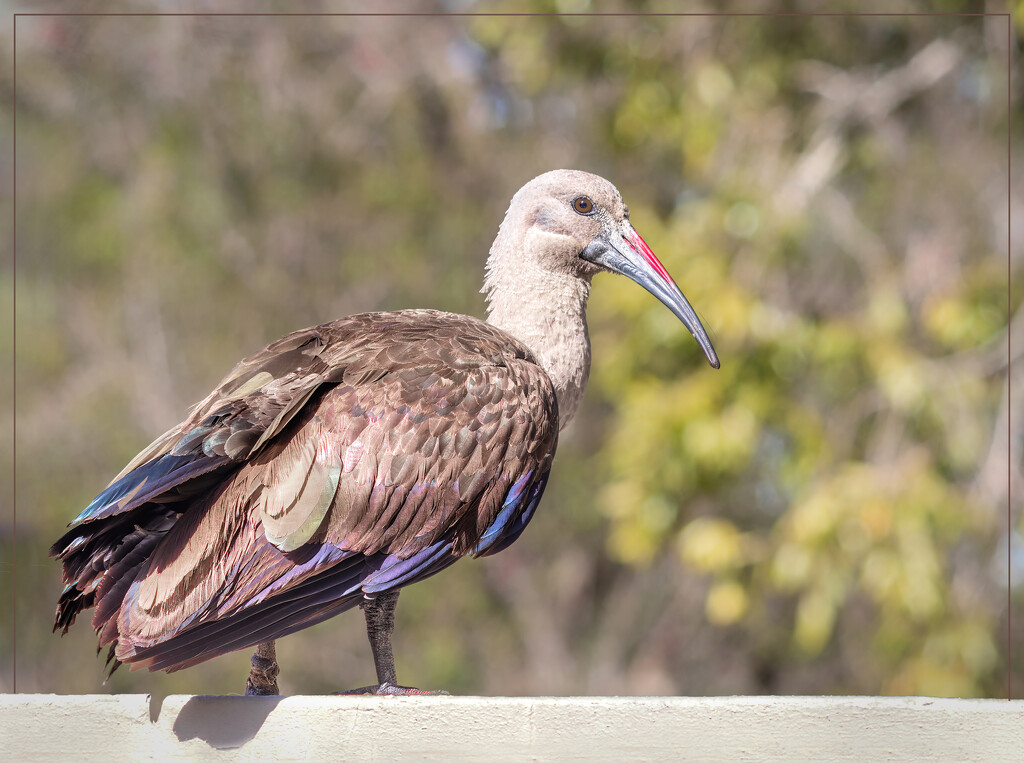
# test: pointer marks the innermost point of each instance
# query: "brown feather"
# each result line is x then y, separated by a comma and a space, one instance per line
396, 417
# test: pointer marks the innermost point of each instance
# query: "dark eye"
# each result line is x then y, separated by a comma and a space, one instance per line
583, 205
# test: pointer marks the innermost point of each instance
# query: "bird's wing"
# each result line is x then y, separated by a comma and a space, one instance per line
249, 406
110, 540
432, 441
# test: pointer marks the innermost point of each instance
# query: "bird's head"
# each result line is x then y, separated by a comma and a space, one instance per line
576, 223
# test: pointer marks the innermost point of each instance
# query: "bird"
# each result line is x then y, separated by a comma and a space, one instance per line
346, 461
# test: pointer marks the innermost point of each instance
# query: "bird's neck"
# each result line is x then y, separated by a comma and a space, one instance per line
546, 311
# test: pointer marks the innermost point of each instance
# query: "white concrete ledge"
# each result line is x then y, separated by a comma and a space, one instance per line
130, 727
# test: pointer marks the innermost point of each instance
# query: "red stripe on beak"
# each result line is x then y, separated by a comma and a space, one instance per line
635, 240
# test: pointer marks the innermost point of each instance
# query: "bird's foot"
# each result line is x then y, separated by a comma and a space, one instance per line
391, 690
260, 691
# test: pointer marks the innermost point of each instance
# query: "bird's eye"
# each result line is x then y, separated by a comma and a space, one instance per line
583, 205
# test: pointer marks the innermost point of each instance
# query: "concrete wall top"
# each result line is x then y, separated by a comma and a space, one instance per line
131, 727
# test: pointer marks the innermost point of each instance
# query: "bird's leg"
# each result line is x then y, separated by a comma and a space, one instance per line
380, 621
262, 680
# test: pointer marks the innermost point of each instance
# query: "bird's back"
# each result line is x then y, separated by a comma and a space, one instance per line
339, 462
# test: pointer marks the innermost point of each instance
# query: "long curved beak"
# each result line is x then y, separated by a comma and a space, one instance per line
623, 251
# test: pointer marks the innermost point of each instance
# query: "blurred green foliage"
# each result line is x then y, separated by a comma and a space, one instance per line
825, 514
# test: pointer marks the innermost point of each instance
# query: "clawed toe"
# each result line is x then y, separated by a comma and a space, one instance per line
261, 691
390, 690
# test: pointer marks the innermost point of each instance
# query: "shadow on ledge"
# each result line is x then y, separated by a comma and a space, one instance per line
223, 722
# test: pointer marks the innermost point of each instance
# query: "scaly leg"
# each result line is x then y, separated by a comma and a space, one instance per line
262, 680
380, 621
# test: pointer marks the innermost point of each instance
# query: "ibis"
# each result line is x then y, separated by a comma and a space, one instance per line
346, 461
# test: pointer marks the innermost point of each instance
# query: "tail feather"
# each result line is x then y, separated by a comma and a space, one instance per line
72, 601
90, 552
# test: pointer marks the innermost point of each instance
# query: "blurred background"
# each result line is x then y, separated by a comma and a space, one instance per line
827, 514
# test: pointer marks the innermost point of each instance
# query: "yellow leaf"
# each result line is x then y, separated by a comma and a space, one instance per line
727, 602
815, 616
710, 545
791, 567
